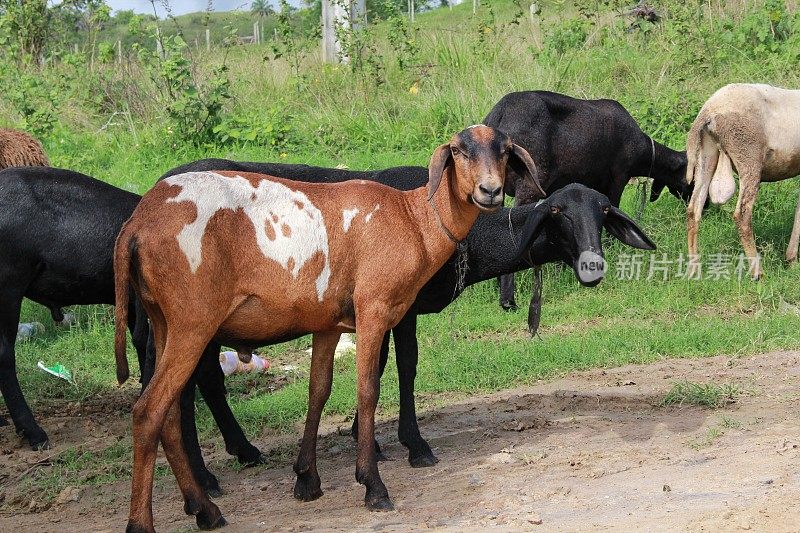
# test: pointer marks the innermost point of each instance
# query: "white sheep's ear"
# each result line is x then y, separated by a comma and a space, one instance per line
522, 163
442, 158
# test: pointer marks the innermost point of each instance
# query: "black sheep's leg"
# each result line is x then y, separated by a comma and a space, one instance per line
211, 381
191, 443
354, 431
149, 366
140, 330
407, 352
18, 408
507, 289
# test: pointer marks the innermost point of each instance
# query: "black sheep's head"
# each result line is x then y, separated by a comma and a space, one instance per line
572, 220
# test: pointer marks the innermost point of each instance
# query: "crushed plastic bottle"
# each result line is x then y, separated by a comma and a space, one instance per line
26, 330
232, 364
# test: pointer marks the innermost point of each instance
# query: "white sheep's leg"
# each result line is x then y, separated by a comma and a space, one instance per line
794, 240
749, 183
702, 180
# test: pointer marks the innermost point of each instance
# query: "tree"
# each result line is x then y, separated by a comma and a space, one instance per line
24, 26
262, 8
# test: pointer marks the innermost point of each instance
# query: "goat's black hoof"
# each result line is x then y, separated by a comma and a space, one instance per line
3, 422
41, 446
307, 490
209, 484
133, 527
381, 504
209, 521
250, 461
422, 461
509, 306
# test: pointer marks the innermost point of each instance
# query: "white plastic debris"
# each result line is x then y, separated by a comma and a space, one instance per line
26, 330
231, 364
345, 345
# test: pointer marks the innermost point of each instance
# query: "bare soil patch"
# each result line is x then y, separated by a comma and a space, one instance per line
593, 450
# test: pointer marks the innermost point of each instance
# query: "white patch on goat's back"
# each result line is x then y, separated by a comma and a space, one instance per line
297, 228
474, 126
347, 218
369, 215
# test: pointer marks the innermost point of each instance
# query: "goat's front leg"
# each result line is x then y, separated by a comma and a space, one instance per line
370, 330
407, 354
749, 184
794, 240
383, 360
308, 485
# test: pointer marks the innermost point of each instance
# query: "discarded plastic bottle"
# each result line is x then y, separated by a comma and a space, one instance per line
231, 364
26, 330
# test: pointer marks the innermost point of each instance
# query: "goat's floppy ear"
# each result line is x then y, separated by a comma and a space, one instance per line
623, 228
441, 158
531, 229
522, 163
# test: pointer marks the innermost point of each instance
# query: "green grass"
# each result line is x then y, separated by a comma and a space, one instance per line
703, 394
336, 117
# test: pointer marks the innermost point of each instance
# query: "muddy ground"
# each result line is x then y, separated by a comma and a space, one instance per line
591, 451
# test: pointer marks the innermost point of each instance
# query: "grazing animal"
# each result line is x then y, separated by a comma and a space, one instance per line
57, 234
491, 248
323, 259
19, 149
593, 142
564, 227
752, 129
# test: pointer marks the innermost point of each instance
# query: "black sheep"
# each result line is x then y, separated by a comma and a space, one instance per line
593, 142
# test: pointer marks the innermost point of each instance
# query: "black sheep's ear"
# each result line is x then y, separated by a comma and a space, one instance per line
442, 158
522, 163
655, 192
623, 228
531, 229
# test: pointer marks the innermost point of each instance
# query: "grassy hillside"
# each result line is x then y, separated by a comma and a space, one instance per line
408, 94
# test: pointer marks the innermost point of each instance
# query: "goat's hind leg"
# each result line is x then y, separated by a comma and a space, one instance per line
196, 502
177, 358
709, 156
308, 485
21, 415
407, 353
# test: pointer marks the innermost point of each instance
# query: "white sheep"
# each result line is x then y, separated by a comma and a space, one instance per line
755, 130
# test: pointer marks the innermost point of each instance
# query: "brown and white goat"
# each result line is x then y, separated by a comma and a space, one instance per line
248, 259
754, 129
19, 149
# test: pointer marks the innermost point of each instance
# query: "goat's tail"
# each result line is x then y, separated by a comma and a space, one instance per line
123, 251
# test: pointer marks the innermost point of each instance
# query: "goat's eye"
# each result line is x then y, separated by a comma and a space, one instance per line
555, 209
455, 151
606, 210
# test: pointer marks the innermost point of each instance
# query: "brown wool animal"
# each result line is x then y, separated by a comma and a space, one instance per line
752, 129
19, 149
248, 259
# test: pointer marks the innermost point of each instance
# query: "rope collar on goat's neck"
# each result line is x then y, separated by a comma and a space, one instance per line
444, 229
462, 259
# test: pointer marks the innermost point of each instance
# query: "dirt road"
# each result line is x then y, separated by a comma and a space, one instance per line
591, 451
